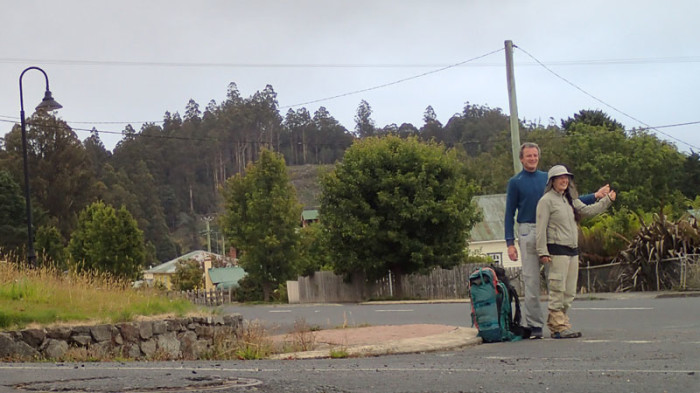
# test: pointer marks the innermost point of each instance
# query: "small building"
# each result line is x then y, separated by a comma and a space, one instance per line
308, 217
163, 273
488, 236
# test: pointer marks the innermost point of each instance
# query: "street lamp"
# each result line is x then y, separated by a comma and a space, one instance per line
47, 104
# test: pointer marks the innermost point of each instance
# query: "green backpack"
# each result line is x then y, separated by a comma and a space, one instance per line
491, 312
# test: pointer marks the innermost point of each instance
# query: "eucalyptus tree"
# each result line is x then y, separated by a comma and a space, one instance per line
475, 128
300, 128
331, 139
13, 225
364, 124
62, 179
596, 118
432, 128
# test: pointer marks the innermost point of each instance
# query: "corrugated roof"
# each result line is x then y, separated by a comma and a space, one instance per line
307, 215
170, 266
491, 227
226, 277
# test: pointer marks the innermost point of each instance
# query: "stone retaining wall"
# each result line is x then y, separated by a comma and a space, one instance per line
174, 338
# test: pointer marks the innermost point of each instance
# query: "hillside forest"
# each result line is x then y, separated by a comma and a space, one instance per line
169, 176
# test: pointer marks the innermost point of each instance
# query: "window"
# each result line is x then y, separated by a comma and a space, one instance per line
496, 256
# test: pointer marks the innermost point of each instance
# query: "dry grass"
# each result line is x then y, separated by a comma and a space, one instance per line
302, 337
45, 296
248, 343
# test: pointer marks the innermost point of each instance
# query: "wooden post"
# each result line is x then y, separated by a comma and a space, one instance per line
513, 104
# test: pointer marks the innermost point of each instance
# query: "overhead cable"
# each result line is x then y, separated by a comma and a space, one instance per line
601, 101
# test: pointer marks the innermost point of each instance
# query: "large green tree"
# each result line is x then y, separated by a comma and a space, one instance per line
50, 247
13, 224
108, 240
62, 178
261, 219
690, 181
643, 169
397, 205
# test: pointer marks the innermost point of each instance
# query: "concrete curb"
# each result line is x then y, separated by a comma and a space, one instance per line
457, 338
579, 297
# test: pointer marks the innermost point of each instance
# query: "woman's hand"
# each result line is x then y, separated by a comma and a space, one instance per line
602, 192
545, 259
612, 195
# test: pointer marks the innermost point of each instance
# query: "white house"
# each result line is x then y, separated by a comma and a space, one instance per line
488, 236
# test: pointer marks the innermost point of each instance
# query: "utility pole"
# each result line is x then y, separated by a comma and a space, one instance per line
208, 219
513, 104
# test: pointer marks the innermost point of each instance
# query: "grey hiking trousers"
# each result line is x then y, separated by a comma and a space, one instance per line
532, 309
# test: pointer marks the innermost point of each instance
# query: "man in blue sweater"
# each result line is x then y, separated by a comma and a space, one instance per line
524, 191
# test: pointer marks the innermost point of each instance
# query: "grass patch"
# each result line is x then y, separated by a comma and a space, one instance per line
339, 353
251, 342
45, 296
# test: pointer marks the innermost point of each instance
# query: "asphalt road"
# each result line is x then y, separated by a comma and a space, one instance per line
329, 316
632, 345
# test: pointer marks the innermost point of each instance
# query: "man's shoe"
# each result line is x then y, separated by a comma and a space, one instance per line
566, 334
535, 332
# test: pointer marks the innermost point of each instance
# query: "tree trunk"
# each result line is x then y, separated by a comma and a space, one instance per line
267, 291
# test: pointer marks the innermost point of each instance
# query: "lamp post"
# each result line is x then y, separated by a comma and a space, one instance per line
47, 104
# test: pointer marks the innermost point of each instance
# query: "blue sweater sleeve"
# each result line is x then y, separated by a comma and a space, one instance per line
588, 199
509, 222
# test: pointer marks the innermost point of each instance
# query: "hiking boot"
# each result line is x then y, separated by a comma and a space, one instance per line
535, 332
568, 333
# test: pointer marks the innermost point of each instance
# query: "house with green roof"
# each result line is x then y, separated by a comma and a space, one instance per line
163, 273
488, 236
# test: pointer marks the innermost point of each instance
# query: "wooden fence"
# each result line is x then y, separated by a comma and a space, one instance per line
326, 287
214, 297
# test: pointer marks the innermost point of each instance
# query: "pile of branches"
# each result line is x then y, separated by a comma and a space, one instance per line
652, 260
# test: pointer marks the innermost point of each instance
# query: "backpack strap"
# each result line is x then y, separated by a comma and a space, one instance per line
518, 316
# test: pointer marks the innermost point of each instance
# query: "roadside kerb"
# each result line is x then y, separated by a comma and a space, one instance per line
458, 338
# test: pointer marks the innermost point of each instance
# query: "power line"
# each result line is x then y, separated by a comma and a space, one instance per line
601, 101
395, 82
161, 136
343, 94
186, 138
462, 63
125, 63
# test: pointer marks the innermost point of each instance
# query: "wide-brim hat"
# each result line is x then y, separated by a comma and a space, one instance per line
558, 170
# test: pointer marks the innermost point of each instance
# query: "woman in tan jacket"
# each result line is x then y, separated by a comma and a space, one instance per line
558, 213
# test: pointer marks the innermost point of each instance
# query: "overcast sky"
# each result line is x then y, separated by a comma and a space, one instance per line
128, 61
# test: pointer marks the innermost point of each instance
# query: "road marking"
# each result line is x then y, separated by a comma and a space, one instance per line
393, 310
280, 311
613, 308
621, 341
125, 368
